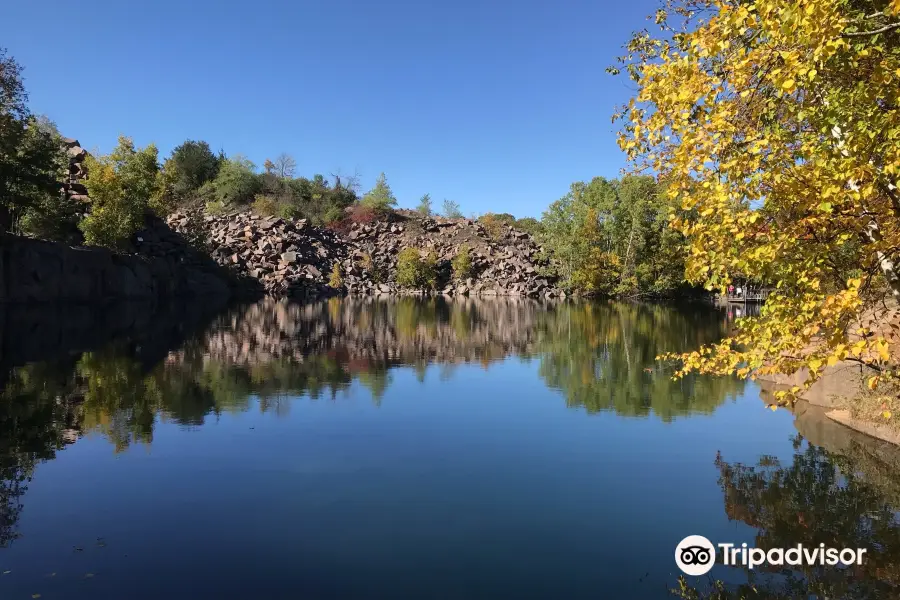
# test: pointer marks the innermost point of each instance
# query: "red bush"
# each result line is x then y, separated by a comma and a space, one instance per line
355, 214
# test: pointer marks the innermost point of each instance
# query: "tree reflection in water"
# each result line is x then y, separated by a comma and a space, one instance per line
600, 356
603, 357
821, 497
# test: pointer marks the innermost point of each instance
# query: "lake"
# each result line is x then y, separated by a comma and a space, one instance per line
408, 449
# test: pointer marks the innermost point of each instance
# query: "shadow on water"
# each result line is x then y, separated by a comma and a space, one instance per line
48, 370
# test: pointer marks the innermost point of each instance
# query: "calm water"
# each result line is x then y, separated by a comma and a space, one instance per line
407, 449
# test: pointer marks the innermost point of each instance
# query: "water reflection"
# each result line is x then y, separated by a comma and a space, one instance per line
600, 356
838, 488
36, 420
844, 499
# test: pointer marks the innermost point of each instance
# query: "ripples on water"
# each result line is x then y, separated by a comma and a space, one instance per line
407, 448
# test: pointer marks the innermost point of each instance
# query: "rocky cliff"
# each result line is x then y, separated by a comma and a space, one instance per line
290, 257
38, 271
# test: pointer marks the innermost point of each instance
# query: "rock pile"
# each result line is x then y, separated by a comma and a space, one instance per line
363, 333
72, 186
290, 257
505, 263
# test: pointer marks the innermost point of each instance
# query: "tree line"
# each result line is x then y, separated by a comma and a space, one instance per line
602, 238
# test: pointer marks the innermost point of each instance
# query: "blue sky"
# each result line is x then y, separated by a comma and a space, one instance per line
498, 105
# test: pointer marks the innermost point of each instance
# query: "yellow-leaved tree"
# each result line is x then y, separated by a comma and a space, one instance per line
776, 127
123, 185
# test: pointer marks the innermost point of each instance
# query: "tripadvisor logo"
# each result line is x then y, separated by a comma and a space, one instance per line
695, 555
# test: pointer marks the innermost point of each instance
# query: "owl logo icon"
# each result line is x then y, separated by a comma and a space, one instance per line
695, 555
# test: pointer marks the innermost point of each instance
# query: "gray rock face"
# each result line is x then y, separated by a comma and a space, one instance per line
36, 271
289, 257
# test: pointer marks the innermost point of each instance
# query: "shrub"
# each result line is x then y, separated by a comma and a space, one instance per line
336, 281
53, 217
368, 264
334, 214
264, 205
494, 225
361, 214
428, 274
415, 272
462, 264
216, 207
358, 214
529, 225
289, 210
236, 181
408, 266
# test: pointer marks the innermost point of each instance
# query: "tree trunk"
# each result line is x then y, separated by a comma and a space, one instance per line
884, 261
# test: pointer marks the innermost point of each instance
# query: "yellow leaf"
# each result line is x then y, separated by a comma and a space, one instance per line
872, 382
886, 414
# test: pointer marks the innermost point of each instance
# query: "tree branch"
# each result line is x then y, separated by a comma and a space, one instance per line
873, 32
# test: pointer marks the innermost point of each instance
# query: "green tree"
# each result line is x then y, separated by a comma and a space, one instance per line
615, 232
121, 185
47, 212
31, 158
236, 182
451, 209
565, 220
380, 197
529, 225
191, 165
424, 207
462, 264
416, 272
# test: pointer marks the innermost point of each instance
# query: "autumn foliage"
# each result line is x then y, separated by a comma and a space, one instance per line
776, 127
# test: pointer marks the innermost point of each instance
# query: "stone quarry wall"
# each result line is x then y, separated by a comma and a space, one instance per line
290, 257
37, 271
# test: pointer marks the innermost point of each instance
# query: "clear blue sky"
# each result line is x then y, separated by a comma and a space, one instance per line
497, 104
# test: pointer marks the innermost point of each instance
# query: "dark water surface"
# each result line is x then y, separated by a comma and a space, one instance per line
407, 449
